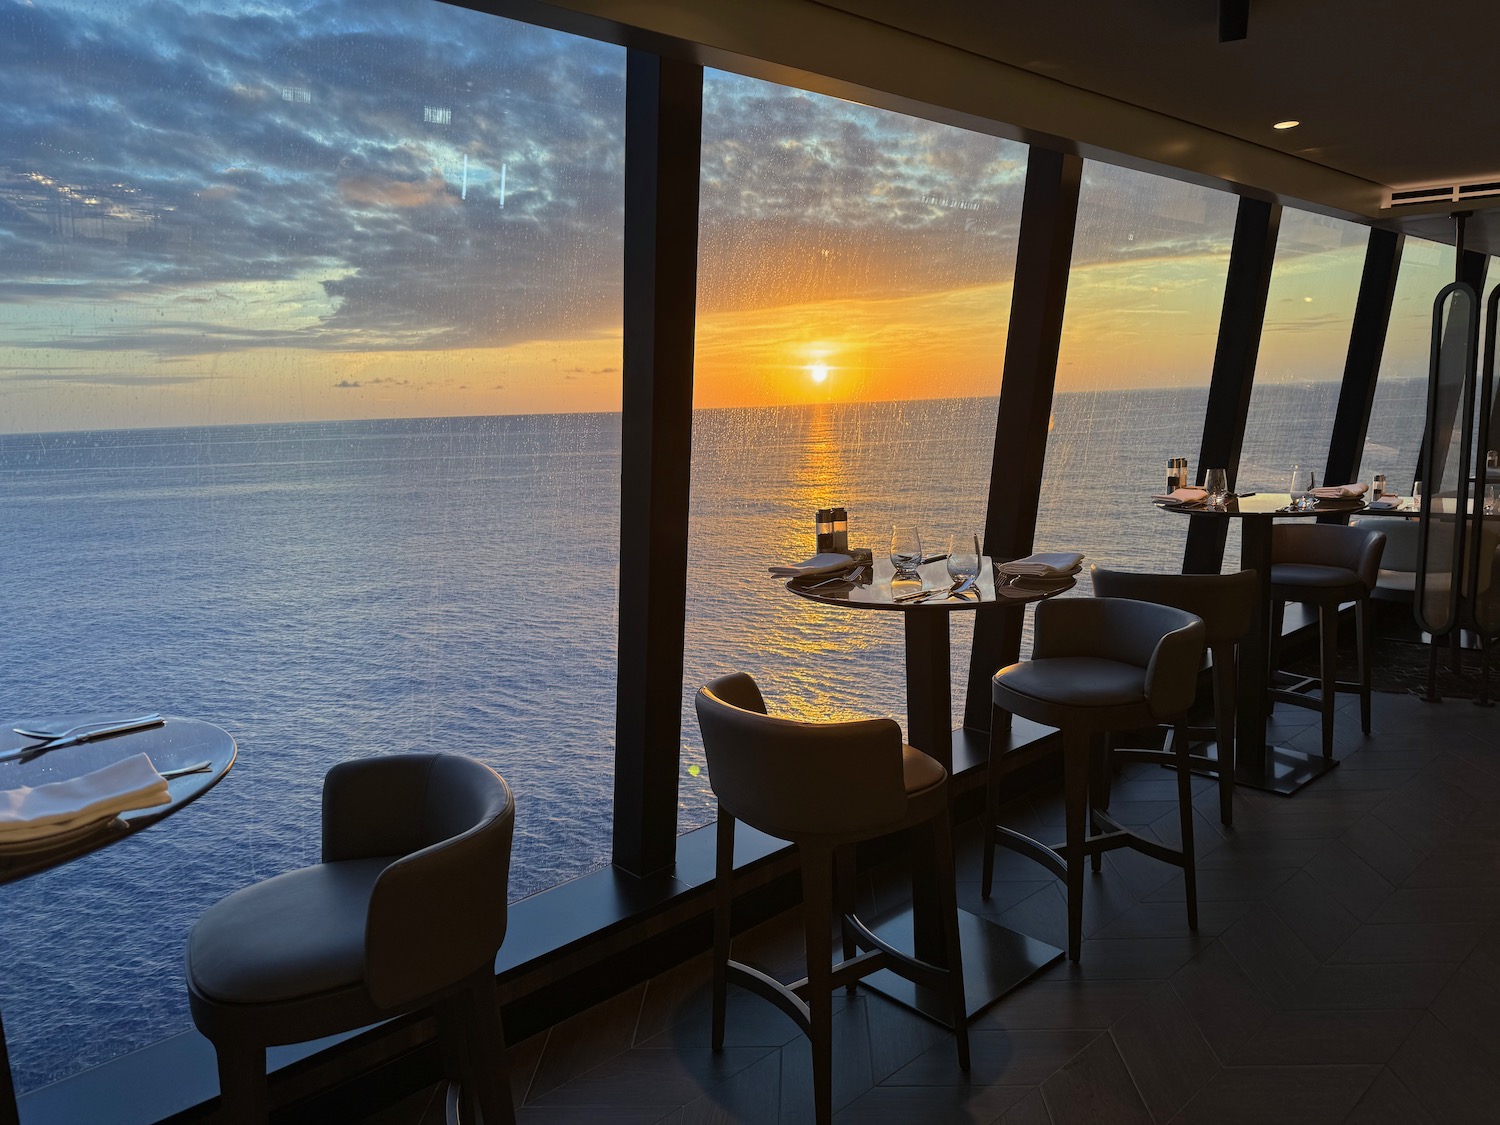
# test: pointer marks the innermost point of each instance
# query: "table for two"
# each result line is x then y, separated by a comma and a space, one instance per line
174, 744
996, 959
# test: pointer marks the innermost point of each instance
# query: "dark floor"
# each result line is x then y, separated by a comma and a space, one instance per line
1346, 969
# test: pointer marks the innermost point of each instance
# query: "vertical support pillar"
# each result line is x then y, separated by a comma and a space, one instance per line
1372, 316
1043, 258
1256, 227
663, 131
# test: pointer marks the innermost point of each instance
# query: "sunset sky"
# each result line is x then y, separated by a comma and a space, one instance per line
237, 212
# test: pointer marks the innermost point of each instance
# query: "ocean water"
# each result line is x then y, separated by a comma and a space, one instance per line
332, 590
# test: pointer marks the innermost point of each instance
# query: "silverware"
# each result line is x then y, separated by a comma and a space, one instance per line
183, 771
85, 732
49, 735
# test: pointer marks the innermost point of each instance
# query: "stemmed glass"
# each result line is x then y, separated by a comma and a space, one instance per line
963, 561
1216, 484
1301, 488
906, 553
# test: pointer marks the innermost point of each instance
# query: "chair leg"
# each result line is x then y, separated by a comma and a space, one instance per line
243, 1098
1328, 634
1364, 624
942, 854
1224, 671
723, 908
1278, 623
846, 886
1099, 749
817, 915
488, 1072
1075, 800
1181, 740
991, 813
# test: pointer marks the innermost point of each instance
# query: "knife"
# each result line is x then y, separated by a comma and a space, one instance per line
85, 735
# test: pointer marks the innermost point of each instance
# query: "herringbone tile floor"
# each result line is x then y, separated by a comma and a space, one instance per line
1346, 969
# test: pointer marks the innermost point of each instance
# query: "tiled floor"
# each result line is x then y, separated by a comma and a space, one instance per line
1346, 969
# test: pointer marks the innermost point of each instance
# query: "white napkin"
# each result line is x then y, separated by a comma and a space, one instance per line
826, 563
1387, 502
60, 806
1188, 495
1341, 491
1053, 564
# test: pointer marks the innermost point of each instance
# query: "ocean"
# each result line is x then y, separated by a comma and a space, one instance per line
328, 590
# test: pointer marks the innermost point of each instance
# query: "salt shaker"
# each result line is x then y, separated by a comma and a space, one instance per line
833, 530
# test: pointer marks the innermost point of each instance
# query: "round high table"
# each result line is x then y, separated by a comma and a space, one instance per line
173, 744
1274, 769
996, 959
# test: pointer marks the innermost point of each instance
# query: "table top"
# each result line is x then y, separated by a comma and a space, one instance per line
1264, 504
176, 743
880, 593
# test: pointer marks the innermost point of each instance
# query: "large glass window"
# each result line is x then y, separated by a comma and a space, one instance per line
1303, 348
310, 359
1150, 257
1393, 441
854, 287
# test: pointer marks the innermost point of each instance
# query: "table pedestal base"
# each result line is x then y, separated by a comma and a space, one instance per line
996, 960
1282, 771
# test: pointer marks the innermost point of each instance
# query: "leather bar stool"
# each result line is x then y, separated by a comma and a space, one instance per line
1225, 604
1098, 665
1326, 565
406, 911
823, 786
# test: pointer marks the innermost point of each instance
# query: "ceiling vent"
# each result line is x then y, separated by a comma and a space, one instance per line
1443, 193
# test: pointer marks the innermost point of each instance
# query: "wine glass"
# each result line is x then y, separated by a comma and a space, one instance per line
1301, 488
1216, 484
963, 560
906, 553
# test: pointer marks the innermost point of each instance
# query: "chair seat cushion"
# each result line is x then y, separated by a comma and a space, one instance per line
1076, 681
294, 935
1313, 577
919, 771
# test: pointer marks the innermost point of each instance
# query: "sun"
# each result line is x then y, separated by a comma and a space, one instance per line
818, 372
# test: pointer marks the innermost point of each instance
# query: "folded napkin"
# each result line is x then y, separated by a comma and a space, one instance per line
826, 563
1054, 564
1341, 491
1387, 502
60, 806
1189, 495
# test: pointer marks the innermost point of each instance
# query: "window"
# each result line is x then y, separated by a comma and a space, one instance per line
854, 288
1150, 257
314, 439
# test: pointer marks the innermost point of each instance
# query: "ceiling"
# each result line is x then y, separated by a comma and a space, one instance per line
1399, 94
1391, 94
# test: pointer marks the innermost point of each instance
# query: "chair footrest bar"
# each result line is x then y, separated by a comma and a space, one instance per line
769, 988
898, 961
1033, 850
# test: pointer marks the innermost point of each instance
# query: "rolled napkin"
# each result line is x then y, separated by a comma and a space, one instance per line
826, 563
61, 806
1189, 495
1341, 491
1051, 564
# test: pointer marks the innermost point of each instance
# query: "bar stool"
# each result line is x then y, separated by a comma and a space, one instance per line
1326, 565
1098, 665
1225, 604
823, 786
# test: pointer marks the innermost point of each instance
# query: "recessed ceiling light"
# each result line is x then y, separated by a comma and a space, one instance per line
1286, 124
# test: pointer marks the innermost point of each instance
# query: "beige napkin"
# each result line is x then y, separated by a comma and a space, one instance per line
1341, 491
1188, 495
826, 563
1047, 564
61, 806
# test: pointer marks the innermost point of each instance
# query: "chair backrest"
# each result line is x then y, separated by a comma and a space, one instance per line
438, 910
1330, 544
1166, 642
1224, 602
1402, 541
790, 778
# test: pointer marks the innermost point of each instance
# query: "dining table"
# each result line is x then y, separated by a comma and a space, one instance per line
1258, 765
193, 755
996, 959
